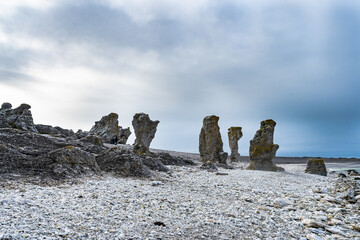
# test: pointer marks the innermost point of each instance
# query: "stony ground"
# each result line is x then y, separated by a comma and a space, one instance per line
188, 203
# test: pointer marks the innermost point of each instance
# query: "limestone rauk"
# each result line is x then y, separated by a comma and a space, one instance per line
316, 166
210, 142
108, 130
19, 117
145, 130
262, 148
234, 134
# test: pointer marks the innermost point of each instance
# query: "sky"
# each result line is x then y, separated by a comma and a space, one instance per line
296, 62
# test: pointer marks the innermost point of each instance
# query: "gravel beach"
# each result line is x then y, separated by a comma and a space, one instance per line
187, 203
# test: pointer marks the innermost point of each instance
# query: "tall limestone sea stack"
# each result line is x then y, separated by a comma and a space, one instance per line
145, 130
234, 134
210, 143
262, 148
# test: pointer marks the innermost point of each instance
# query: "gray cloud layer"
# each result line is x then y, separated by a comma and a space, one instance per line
243, 62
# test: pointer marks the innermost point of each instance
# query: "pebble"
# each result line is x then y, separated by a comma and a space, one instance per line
188, 204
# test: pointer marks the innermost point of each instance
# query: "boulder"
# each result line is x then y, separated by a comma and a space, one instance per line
234, 134
123, 163
316, 166
210, 143
262, 148
19, 117
145, 130
67, 162
109, 131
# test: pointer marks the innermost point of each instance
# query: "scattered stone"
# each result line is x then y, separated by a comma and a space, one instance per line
316, 166
156, 183
280, 202
234, 134
161, 224
210, 143
109, 131
221, 174
335, 230
262, 148
313, 223
145, 130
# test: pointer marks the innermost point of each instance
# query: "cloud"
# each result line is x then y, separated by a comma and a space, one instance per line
180, 61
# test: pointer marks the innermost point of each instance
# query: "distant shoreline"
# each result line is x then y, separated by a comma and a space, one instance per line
277, 160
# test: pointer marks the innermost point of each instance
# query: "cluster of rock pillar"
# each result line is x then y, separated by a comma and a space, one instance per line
262, 148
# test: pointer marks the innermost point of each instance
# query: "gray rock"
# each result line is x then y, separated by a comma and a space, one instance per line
19, 117
81, 134
20, 150
122, 163
6, 106
67, 162
3, 121
155, 164
109, 131
54, 131
234, 134
262, 148
210, 142
316, 166
145, 130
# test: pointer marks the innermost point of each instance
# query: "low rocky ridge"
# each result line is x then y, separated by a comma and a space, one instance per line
45, 154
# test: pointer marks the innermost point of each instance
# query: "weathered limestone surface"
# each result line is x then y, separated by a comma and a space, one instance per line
54, 131
67, 162
262, 148
210, 143
19, 117
234, 134
316, 166
108, 129
123, 163
145, 130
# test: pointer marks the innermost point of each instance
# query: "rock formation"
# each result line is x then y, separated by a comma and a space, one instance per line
316, 166
122, 163
19, 117
234, 134
210, 143
145, 130
108, 130
67, 162
262, 148
45, 153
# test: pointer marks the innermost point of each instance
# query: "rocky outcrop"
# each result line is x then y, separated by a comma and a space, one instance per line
21, 150
262, 148
67, 162
19, 118
316, 166
145, 130
54, 131
108, 130
123, 163
210, 143
234, 134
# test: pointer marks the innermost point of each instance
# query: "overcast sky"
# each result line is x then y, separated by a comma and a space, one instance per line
297, 62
